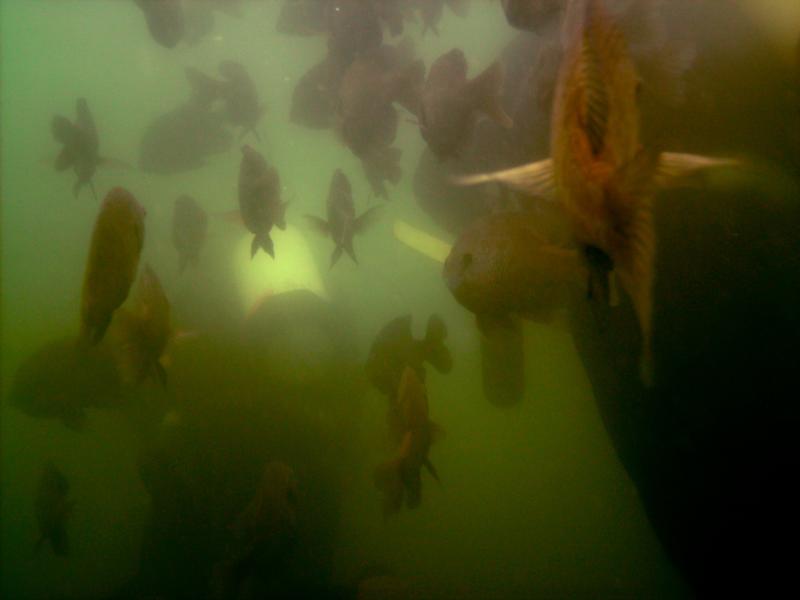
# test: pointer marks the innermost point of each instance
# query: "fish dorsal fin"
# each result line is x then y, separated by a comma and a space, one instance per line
535, 179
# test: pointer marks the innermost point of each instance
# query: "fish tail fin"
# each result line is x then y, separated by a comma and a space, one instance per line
263, 241
388, 480
485, 88
348, 247
336, 255
318, 224
366, 219
437, 353
77, 188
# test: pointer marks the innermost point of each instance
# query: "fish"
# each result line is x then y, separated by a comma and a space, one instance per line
262, 532
315, 96
114, 250
189, 229
503, 264
80, 146
532, 15
450, 103
143, 331
400, 476
182, 139
165, 20
601, 175
394, 349
260, 203
237, 91
60, 381
303, 18
353, 29
53, 509
342, 224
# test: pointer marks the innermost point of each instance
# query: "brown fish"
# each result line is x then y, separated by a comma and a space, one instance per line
401, 475
532, 15
189, 228
451, 103
315, 96
353, 27
395, 348
600, 173
53, 508
116, 244
143, 331
165, 20
260, 200
81, 147
342, 224
262, 532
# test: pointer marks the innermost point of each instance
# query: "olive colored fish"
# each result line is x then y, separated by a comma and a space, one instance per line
315, 95
532, 15
260, 203
114, 250
451, 103
142, 332
400, 477
262, 532
395, 348
81, 147
53, 508
599, 172
189, 229
165, 20
342, 224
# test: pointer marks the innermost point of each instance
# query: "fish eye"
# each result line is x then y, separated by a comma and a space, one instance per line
466, 260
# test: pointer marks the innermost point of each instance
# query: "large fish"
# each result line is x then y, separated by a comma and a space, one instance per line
116, 244
260, 202
602, 176
342, 224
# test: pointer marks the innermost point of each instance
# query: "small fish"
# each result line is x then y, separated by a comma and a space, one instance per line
189, 228
451, 103
182, 139
117, 240
342, 224
53, 508
80, 145
400, 476
143, 331
262, 533
532, 15
260, 203
395, 348
165, 20
599, 172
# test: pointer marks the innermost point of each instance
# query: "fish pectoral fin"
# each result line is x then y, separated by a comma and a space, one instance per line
318, 224
672, 167
534, 179
485, 89
431, 469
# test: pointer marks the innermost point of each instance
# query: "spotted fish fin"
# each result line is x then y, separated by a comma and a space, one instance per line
674, 166
534, 179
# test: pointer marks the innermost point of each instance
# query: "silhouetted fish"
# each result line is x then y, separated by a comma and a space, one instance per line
260, 202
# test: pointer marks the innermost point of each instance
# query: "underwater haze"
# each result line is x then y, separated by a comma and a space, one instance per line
262, 337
